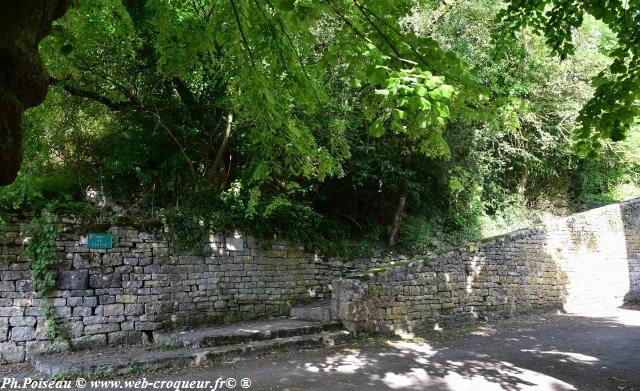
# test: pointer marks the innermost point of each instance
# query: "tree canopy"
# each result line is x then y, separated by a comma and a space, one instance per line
614, 108
282, 116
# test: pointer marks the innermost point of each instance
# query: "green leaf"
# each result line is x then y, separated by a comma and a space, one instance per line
286, 5
377, 76
376, 129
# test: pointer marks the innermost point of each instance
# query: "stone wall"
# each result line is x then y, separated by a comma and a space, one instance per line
578, 263
121, 295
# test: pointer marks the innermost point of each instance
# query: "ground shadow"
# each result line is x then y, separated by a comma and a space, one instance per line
571, 353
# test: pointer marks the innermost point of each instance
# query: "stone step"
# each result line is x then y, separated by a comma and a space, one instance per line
237, 333
317, 312
124, 360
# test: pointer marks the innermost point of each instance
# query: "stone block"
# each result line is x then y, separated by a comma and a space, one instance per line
106, 299
82, 311
158, 308
110, 310
11, 311
42, 329
130, 337
22, 321
134, 309
90, 301
4, 329
24, 286
10, 352
8, 277
126, 299
73, 328
89, 342
73, 279
58, 302
90, 320
23, 333
62, 312
105, 281
101, 328
112, 260
235, 243
75, 301
45, 347
147, 326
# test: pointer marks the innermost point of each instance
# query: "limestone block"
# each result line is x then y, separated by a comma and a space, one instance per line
45, 347
11, 311
89, 341
23, 333
76, 279
235, 243
105, 281
22, 321
10, 352
101, 328
130, 337
110, 310
4, 329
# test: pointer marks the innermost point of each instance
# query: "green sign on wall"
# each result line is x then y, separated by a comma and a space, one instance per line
103, 240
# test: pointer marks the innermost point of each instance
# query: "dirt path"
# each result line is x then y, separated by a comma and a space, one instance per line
564, 352
558, 352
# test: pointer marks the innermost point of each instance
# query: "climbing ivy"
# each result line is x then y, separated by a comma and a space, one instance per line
41, 254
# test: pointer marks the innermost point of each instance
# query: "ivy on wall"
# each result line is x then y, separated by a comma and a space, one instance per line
41, 254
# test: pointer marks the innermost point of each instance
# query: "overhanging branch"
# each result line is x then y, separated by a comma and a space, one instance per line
93, 96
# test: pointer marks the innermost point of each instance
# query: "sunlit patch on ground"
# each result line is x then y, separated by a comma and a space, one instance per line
566, 356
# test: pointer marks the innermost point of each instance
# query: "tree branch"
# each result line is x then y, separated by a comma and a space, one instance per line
183, 151
94, 96
293, 47
244, 38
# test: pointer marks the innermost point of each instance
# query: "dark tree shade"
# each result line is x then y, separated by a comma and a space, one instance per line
23, 79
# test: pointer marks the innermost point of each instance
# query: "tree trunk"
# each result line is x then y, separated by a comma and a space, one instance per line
23, 79
402, 202
397, 217
218, 170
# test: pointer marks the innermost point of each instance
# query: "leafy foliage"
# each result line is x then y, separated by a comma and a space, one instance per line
614, 108
42, 256
329, 121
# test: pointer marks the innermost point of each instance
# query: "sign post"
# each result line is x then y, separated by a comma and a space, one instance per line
100, 240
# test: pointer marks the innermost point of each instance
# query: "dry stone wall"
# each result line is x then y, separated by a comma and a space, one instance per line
578, 263
121, 295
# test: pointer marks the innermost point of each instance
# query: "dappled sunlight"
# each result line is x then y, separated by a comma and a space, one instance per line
615, 316
484, 331
566, 356
484, 374
348, 362
414, 379
422, 348
417, 365
475, 269
489, 374
520, 379
404, 334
